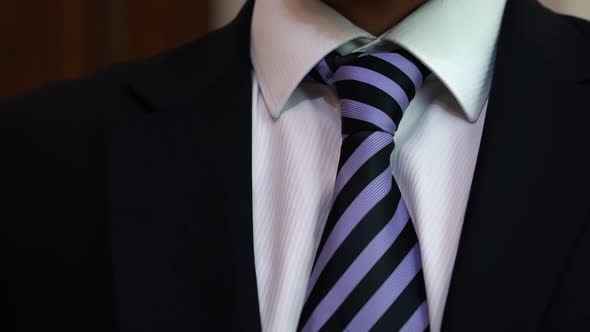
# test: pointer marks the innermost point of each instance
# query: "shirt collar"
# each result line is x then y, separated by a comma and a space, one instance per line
455, 38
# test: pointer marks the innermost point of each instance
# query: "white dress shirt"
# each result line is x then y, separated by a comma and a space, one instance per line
296, 137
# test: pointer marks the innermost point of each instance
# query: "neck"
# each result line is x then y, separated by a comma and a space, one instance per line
375, 16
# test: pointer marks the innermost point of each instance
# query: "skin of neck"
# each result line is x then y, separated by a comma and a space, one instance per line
375, 16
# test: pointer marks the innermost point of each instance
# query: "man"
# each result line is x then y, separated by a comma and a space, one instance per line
292, 171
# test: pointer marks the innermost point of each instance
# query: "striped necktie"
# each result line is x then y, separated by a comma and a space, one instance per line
367, 274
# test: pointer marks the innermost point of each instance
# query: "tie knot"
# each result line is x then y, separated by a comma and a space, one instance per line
374, 89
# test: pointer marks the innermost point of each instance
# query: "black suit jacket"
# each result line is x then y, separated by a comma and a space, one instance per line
126, 196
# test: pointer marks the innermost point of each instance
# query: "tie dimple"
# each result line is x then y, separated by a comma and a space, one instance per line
368, 274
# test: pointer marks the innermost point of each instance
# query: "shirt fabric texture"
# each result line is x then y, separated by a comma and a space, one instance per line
296, 137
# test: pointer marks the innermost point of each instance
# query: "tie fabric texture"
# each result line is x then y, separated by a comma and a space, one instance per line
367, 274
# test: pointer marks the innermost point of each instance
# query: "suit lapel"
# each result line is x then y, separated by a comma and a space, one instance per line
180, 190
529, 197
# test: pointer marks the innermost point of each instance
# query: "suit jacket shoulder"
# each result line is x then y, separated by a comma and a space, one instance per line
65, 123
57, 146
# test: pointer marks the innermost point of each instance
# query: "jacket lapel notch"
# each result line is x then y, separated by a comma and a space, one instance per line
180, 189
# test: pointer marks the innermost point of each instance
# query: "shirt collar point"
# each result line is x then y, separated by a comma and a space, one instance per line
472, 108
473, 113
273, 104
275, 110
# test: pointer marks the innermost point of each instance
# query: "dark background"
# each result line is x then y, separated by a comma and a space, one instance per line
44, 40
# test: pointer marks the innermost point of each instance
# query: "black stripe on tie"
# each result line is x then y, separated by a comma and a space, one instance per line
315, 75
371, 283
354, 244
332, 60
351, 126
404, 306
349, 145
387, 69
359, 181
370, 95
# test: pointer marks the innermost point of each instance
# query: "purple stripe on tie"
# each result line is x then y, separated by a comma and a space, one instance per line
356, 110
405, 65
362, 204
325, 72
418, 321
388, 292
368, 148
375, 79
358, 269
